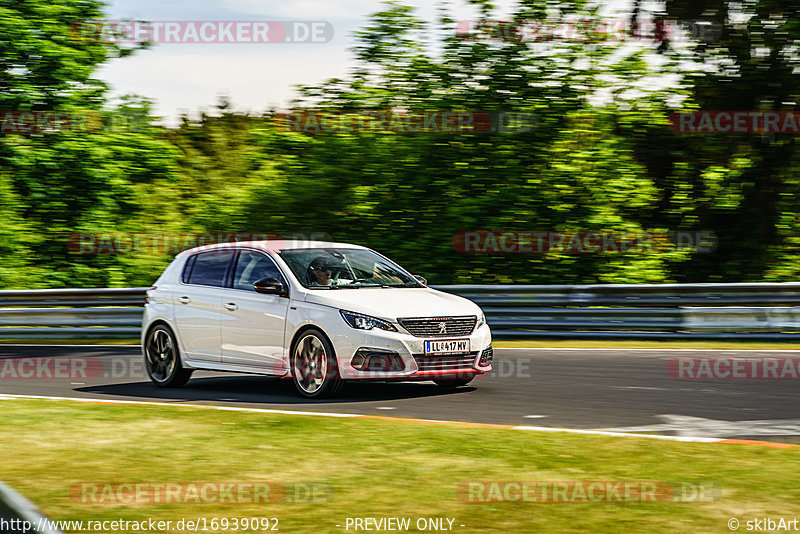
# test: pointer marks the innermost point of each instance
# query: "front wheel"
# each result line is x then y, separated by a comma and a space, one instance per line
314, 367
453, 383
161, 359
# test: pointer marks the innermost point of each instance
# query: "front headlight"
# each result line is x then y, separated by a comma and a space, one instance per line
481, 320
365, 322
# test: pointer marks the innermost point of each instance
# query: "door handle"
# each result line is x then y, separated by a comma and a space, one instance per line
184, 300
231, 306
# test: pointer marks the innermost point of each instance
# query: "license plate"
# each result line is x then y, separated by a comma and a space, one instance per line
446, 346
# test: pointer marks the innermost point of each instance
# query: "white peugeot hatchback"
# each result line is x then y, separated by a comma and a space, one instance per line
318, 313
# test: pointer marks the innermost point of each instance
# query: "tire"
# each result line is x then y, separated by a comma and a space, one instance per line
453, 383
315, 370
162, 359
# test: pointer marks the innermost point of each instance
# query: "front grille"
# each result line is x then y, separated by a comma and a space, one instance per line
433, 326
445, 362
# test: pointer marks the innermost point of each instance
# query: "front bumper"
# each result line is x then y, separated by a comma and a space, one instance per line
408, 355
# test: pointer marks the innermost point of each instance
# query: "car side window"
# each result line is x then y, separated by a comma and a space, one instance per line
253, 266
209, 268
187, 269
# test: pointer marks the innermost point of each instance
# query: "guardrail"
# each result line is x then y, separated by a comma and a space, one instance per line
106, 313
20, 516
756, 311
658, 311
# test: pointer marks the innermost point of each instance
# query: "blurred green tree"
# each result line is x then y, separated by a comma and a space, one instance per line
743, 186
570, 170
72, 178
595, 155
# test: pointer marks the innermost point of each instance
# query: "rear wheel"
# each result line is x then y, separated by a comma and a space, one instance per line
453, 383
162, 360
314, 367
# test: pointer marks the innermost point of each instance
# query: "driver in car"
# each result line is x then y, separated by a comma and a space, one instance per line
319, 272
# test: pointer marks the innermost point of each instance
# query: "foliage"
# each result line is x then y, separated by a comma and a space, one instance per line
597, 154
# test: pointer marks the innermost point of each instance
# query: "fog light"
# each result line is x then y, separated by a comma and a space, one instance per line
384, 362
358, 361
377, 360
486, 357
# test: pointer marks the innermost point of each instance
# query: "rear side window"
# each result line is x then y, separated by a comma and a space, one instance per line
251, 267
187, 269
209, 268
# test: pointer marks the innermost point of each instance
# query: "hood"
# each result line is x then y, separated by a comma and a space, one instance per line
392, 303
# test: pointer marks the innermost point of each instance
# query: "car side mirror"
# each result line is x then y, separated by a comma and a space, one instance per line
421, 279
270, 286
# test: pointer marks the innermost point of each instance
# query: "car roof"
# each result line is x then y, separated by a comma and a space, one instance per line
274, 245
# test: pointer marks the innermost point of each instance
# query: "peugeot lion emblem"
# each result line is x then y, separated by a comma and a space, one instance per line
442, 327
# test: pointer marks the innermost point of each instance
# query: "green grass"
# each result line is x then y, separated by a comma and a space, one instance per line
378, 468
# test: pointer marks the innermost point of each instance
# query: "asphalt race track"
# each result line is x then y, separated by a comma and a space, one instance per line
627, 390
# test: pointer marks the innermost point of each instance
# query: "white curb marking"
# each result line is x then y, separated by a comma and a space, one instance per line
4, 396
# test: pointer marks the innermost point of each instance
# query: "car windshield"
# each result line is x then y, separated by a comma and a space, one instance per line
345, 268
